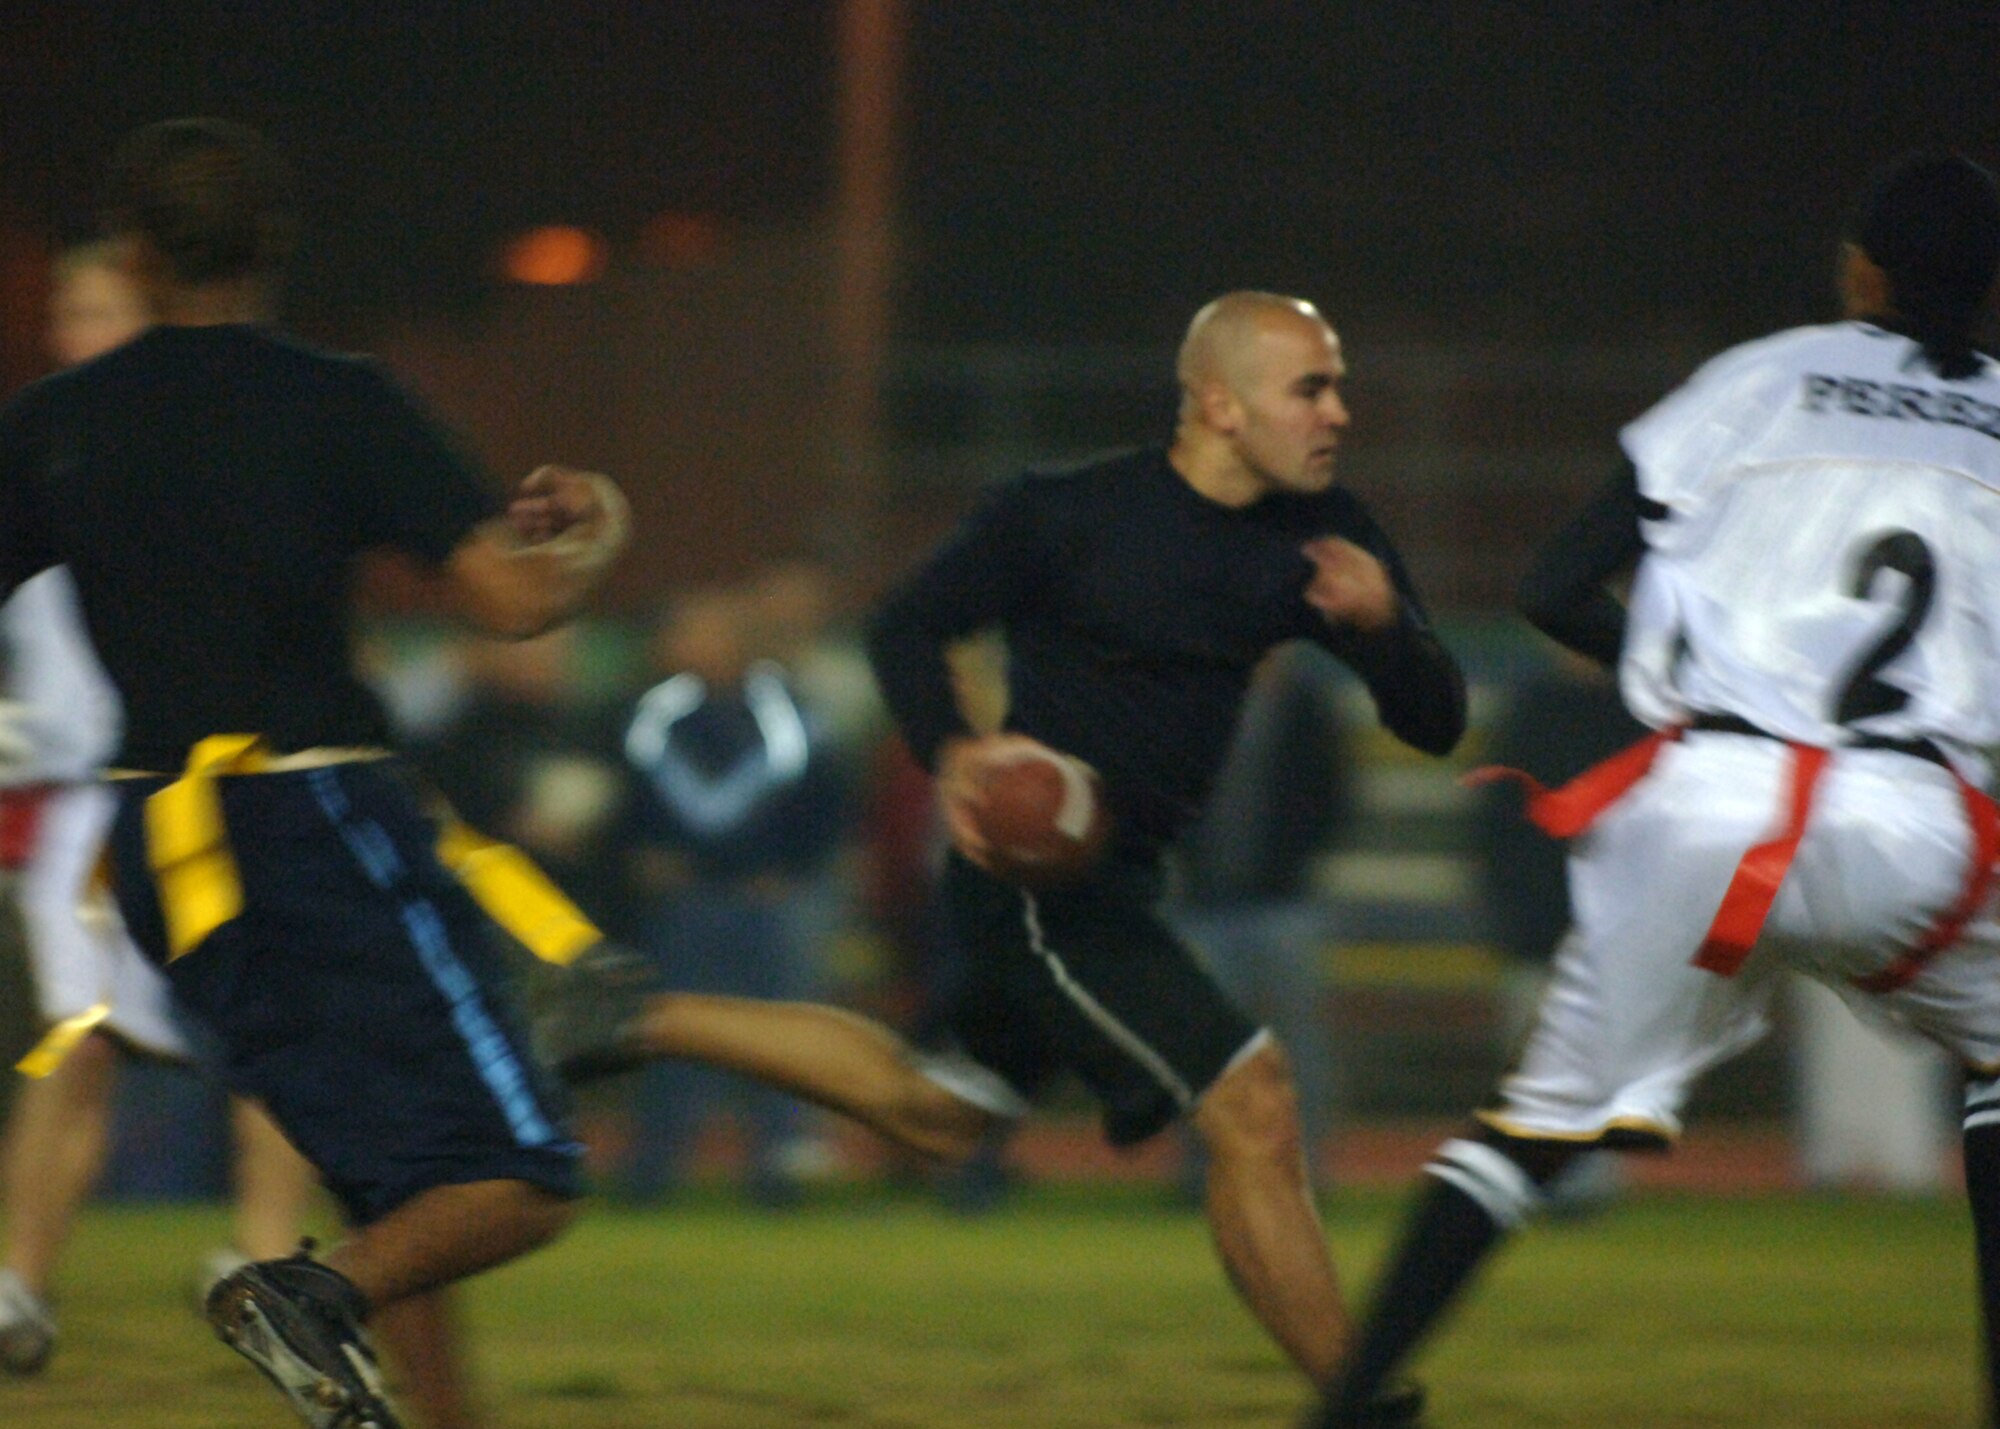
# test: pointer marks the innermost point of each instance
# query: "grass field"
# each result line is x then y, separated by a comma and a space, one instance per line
1092, 1307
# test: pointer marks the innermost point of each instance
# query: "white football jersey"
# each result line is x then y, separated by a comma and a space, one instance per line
1829, 561
74, 717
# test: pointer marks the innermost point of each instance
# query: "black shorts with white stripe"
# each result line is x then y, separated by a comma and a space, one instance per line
1088, 979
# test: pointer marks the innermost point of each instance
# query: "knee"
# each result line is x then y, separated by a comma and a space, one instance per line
1252, 1111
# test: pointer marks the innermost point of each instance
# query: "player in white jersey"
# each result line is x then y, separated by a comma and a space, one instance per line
87, 975
68, 716
1814, 636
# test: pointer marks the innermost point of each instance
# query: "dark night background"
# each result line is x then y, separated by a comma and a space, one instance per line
1073, 170
1527, 221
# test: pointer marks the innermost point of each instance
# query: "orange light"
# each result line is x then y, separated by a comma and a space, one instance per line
554, 257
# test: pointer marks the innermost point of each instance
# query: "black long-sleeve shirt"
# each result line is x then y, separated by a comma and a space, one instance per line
1134, 610
1564, 595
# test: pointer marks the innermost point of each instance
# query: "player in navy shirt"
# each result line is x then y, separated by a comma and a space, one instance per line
209, 485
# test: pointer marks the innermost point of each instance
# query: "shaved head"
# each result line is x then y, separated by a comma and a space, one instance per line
1260, 398
1225, 341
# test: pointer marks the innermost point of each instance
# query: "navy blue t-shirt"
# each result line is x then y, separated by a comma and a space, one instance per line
209, 488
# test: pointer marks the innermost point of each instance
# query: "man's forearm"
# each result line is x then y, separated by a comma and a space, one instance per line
1418, 687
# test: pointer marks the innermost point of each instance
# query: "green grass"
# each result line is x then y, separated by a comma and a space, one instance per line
1092, 1308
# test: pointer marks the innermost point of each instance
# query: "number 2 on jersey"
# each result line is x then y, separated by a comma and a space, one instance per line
1904, 552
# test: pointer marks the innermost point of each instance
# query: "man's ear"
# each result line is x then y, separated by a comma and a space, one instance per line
1220, 410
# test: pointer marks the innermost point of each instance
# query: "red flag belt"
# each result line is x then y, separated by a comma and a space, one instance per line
1571, 809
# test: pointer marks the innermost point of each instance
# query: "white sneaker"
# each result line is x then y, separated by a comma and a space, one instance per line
27, 1329
217, 1266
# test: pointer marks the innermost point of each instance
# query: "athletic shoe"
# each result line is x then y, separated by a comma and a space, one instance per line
27, 1329
1398, 1406
299, 1322
217, 1266
586, 1021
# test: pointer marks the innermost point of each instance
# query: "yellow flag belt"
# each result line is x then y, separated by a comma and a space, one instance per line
200, 889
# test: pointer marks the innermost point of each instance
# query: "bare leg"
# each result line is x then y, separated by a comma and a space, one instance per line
824, 1054
56, 1141
1261, 1211
420, 1335
446, 1234
274, 1184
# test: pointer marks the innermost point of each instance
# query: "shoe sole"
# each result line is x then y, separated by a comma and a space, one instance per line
320, 1398
25, 1350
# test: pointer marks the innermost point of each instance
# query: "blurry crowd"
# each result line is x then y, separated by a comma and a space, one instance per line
702, 784
719, 787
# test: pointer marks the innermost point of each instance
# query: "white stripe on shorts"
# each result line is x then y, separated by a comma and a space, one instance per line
1129, 1041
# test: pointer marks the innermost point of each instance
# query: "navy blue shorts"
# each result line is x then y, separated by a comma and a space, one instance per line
1088, 979
360, 994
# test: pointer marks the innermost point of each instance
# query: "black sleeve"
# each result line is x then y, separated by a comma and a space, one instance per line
989, 570
1418, 688
1564, 595
415, 489
25, 543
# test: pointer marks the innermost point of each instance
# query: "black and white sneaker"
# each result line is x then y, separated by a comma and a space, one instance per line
27, 1329
1396, 1406
585, 1020
299, 1322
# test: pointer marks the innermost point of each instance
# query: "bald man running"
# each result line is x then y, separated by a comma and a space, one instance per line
1136, 595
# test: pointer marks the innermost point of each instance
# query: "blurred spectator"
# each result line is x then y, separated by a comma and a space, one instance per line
1244, 899
738, 803
525, 758
902, 843
793, 622
421, 682
803, 626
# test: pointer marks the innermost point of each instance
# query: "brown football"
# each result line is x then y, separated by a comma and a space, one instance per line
1043, 817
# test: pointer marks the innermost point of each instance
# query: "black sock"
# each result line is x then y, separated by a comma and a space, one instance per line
1982, 1191
1475, 1194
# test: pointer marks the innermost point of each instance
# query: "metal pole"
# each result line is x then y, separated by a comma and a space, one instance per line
871, 59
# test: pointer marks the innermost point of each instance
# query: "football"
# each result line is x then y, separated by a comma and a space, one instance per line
1043, 817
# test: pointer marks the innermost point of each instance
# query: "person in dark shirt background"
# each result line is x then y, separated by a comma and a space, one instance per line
1136, 595
528, 757
737, 803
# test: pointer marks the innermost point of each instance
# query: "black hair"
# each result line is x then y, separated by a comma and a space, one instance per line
212, 197
1931, 222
